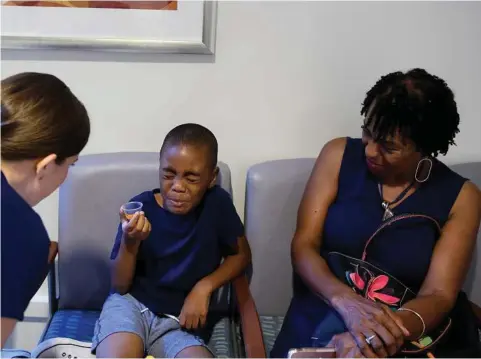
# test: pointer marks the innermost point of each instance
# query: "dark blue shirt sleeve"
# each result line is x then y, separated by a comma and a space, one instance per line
24, 263
230, 224
118, 240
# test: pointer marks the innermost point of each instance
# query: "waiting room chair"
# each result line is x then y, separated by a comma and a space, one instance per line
90, 200
472, 285
273, 193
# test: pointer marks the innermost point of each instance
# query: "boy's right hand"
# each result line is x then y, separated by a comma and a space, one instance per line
136, 228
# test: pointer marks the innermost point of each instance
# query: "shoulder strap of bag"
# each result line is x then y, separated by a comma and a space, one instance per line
397, 219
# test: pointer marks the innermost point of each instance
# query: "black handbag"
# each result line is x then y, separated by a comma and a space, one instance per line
375, 284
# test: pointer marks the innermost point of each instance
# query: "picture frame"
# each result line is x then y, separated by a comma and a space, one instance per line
189, 30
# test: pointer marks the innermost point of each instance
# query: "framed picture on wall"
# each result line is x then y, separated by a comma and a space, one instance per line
186, 27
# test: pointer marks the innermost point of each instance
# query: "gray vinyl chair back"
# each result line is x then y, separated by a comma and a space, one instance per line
472, 285
273, 193
90, 201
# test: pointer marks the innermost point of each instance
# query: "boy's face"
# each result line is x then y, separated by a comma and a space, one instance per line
185, 175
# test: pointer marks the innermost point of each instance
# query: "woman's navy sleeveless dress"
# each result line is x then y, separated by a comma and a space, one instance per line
352, 219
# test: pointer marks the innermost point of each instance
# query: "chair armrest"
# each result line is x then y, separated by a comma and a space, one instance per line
52, 252
52, 278
249, 318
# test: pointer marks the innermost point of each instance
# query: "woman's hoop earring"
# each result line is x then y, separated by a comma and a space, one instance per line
416, 175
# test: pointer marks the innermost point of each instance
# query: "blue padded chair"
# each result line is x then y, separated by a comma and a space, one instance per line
88, 218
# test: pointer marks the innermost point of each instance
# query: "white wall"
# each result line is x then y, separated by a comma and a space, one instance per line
286, 78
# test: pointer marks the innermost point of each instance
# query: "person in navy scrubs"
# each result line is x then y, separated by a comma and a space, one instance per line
43, 127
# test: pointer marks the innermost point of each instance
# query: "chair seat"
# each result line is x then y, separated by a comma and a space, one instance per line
72, 324
271, 326
79, 325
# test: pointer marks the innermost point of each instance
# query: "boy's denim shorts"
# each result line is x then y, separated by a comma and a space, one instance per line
163, 337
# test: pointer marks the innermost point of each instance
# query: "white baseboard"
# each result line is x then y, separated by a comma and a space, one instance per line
28, 332
38, 307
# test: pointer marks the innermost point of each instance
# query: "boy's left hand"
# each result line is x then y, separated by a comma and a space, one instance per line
196, 306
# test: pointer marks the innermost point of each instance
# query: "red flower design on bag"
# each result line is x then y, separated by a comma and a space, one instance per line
373, 287
357, 280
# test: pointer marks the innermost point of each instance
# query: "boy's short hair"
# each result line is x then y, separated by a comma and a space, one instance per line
193, 134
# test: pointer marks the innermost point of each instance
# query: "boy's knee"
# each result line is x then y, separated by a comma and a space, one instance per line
121, 345
197, 351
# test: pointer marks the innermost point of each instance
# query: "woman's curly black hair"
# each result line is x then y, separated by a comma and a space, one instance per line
419, 105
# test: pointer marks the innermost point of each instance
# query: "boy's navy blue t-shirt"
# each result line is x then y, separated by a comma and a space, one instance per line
181, 249
25, 247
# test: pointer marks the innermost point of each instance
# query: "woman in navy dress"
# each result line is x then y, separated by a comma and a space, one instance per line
410, 118
44, 128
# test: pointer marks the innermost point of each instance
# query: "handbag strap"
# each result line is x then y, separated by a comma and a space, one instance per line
396, 219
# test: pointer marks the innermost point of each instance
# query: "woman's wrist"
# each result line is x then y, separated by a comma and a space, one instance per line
413, 322
339, 300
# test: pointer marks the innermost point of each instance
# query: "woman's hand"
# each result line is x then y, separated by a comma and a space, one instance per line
346, 347
367, 319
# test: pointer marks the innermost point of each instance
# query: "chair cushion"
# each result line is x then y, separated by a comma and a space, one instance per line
80, 324
73, 324
14, 353
271, 326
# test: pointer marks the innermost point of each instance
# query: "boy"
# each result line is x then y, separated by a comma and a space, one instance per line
166, 259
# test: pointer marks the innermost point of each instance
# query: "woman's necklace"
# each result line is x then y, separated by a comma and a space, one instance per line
385, 204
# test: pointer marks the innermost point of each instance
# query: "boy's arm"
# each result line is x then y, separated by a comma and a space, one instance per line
123, 267
237, 255
233, 244
230, 268
124, 255
196, 306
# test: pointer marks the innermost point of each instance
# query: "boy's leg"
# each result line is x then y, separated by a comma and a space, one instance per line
195, 352
121, 345
168, 340
120, 331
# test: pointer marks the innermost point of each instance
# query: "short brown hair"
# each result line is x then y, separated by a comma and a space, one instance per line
41, 116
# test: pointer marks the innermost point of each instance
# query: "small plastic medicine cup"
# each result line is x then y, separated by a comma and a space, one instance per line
131, 208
